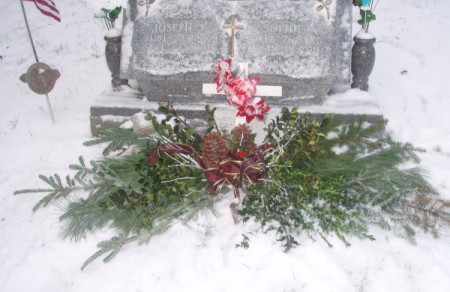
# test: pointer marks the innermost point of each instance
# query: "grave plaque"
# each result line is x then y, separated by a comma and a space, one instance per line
298, 52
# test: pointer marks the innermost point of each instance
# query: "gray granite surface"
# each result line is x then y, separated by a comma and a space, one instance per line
171, 47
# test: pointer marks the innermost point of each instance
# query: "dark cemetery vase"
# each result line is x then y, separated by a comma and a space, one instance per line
112, 54
363, 59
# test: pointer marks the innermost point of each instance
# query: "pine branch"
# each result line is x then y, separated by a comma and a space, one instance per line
429, 211
58, 190
83, 216
118, 138
127, 224
343, 192
359, 135
182, 213
112, 246
99, 179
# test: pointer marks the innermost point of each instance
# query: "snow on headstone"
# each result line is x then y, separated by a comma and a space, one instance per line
170, 47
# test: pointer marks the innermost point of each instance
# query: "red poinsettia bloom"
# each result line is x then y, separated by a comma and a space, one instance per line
257, 108
224, 74
241, 90
242, 86
239, 99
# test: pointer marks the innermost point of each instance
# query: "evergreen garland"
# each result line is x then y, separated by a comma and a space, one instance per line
322, 178
335, 177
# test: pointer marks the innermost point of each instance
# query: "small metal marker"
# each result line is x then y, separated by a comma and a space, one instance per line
41, 79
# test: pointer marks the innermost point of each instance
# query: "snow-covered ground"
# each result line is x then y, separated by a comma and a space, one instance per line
412, 37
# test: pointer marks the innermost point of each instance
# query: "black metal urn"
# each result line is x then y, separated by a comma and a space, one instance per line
112, 54
363, 59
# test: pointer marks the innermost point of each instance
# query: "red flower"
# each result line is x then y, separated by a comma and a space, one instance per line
257, 108
242, 86
241, 90
242, 154
224, 74
239, 99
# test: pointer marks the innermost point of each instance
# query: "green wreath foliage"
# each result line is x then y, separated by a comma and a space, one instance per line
324, 177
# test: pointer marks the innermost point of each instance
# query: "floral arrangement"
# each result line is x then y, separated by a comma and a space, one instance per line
241, 91
107, 11
366, 8
109, 16
318, 177
229, 159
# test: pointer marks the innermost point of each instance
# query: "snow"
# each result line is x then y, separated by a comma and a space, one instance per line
113, 32
362, 34
409, 82
108, 4
206, 14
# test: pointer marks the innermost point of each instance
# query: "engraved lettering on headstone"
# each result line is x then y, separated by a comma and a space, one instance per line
177, 36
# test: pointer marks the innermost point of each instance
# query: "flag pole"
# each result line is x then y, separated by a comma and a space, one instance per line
36, 57
50, 109
29, 32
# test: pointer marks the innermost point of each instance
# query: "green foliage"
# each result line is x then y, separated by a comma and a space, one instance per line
209, 117
244, 243
324, 177
366, 17
58, 189
137, 200
118, 139
175, 129
110, 16
335, 177
366, 13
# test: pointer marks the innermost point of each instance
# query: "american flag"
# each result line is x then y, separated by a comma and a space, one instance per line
47, 7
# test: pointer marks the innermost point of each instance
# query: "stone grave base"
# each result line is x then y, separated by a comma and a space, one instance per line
115, 108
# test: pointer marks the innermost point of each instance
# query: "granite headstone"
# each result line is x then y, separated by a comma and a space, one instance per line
298, 52
297, 49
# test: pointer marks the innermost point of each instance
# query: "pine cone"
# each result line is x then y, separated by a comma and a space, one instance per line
215, 150
243, 139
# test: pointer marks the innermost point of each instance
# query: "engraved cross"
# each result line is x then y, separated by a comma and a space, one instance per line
232, 27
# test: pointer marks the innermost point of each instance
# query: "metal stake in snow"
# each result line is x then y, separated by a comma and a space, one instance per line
40, 77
